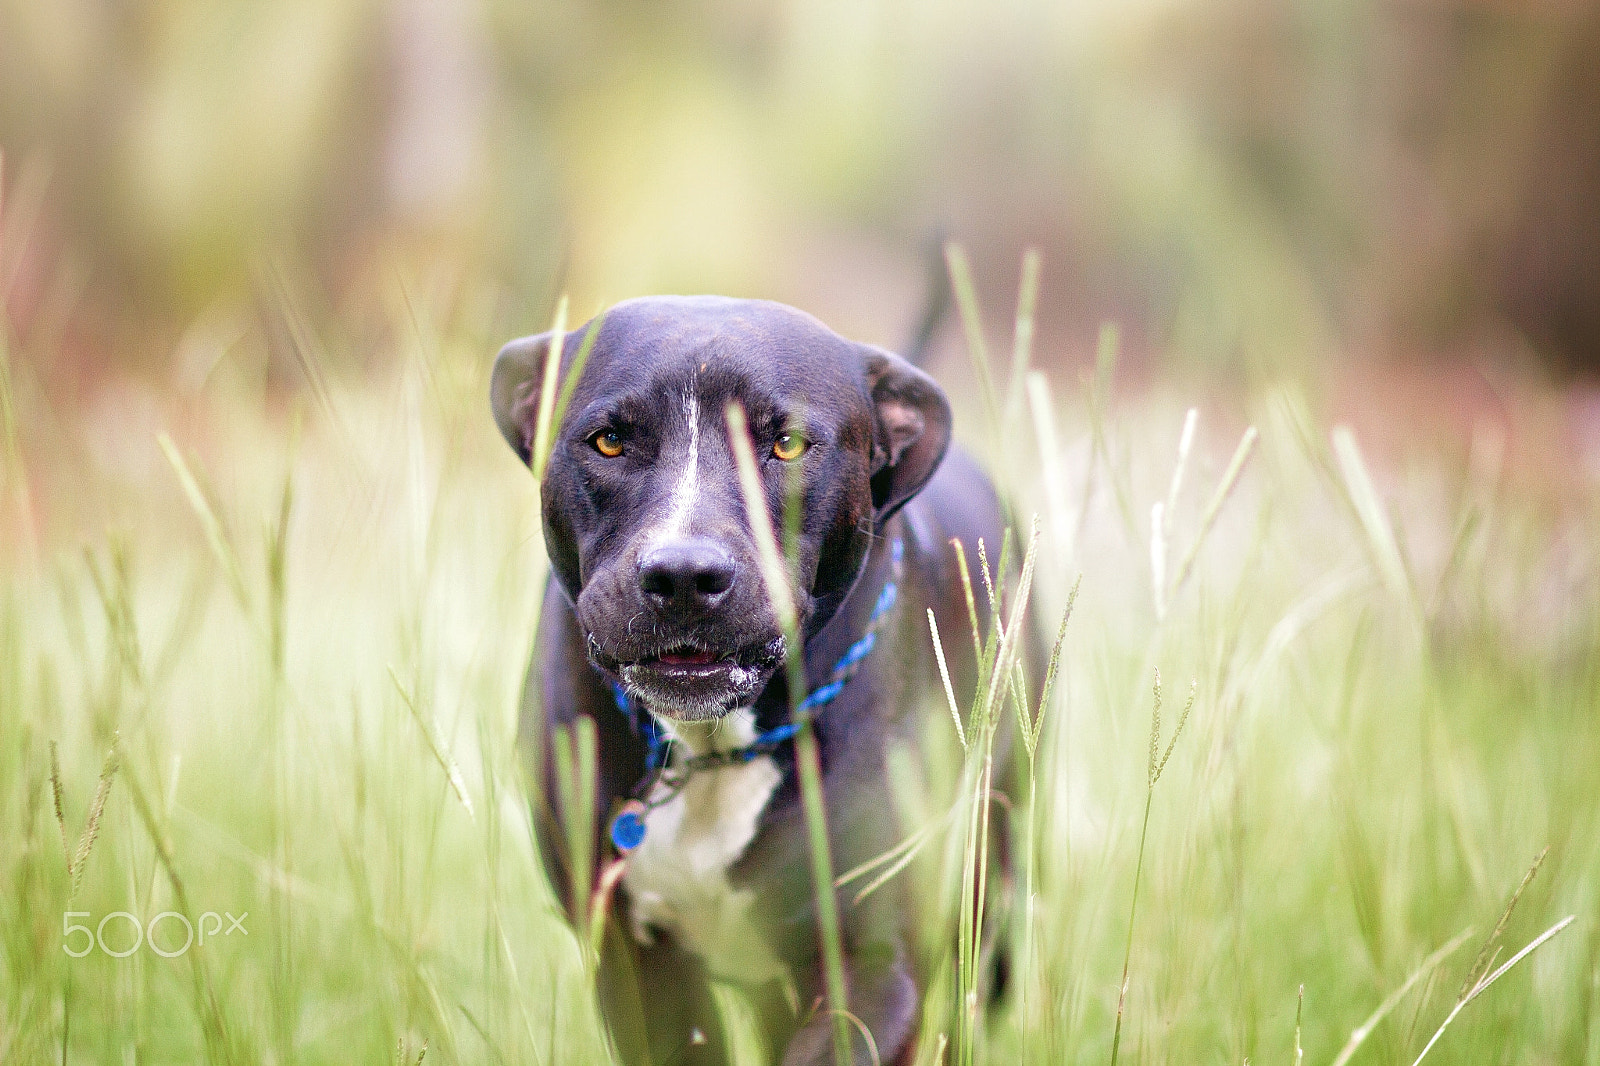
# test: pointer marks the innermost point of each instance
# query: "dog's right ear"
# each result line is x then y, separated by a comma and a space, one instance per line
514, 391
912, 431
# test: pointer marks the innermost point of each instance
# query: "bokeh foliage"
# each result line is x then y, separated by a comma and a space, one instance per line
1239, 182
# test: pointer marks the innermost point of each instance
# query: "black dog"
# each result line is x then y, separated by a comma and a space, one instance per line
658, 626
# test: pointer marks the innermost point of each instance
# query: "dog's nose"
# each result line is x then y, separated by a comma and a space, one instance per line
694, 574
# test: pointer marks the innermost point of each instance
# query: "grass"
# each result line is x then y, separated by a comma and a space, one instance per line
305, 647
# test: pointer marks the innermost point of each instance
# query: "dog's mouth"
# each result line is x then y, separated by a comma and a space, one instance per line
695, 659
685, 657
691, 681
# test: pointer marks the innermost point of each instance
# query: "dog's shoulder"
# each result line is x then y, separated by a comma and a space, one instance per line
958, 503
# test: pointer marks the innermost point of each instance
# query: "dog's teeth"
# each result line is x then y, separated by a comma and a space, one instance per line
687, 657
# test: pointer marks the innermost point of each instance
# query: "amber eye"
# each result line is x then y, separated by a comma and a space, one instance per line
608, 443
789, 446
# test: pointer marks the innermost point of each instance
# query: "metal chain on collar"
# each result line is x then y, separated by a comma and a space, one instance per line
628, 827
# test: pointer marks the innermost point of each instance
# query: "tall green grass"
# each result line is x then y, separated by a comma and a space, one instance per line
305, 648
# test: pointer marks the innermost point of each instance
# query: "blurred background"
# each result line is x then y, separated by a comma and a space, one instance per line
256, 258
1245, 186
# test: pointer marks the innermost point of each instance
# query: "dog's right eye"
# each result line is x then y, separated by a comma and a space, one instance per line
608, 442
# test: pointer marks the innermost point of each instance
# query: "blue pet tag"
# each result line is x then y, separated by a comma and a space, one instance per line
627, 828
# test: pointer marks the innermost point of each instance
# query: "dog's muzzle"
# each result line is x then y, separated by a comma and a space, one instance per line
685, 628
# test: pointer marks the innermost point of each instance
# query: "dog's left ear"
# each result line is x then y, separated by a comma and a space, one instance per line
911, 430
514, 391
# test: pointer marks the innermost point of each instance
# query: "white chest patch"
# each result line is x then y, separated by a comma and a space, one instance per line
678, 877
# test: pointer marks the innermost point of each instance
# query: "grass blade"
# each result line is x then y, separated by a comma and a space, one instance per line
1022, 337
544, 424
1042, 407
1359, 1034
971, 600
452, 771
575, 790
1049, 684
1154, 774
807, 760
773, 571
1483, 985
221, 547
1161, 513
944, 675
1486, 953
1230, 478
1374, 518
580, 359
972, 323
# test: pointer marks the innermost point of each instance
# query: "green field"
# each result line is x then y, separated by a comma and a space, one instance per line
299, 618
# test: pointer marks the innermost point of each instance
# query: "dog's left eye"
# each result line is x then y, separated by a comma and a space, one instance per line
789, 446
608, 443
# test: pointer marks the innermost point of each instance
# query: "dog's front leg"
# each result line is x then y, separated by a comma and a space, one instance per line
882, 996
657, 1004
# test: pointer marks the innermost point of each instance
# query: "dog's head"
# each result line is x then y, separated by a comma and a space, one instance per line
644, 520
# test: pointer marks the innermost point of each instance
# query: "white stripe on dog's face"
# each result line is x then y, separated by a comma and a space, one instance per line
687, 490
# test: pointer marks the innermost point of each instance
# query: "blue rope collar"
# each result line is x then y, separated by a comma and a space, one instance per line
628, 827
